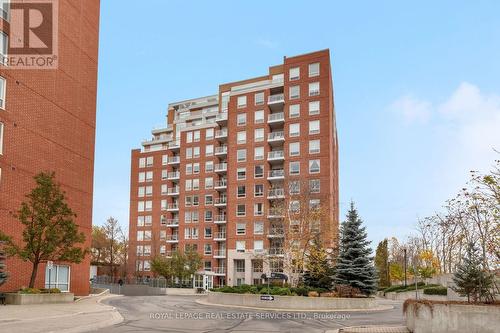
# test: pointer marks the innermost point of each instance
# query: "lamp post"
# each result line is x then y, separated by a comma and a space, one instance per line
404, 250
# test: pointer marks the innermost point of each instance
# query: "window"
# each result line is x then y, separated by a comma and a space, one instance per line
189, 152
259, 171
164, 159
294, 168
294, 73
142, 175
207, 249
208, 232
241, 119
259, 117
149, 161
142, 162
5, 10
149, 191
148, 220
258, 245
314, 203
140, 221
313, 108
258, 228
140, 191
240, 247
314, 89
240, 265
258, 209
209, 183
189, 168
294, 92
294, 148
241, 191
294, 130
314, 146
241, 228
209, 216
196, 168
241, 137
196, 136
314, 166
241, 155
59, 277
209, 200
164, 204
241, 210
189, 137
196, 184
294, 206
294, 187
164, 174
294, 111
209, 150
259, 98
4, 44
164, 189
196, 152
314, 127
189, 185
258, 190
314, 69
258, 135
140, 206
258, 153
209, 134
241, 174
242, 101
209, 166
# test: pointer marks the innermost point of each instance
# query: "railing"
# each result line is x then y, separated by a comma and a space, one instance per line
276, 251
276, 232
219, 253
219, 270
279, 116
174, 159
276, 98
221, 150
221, 116
172, 222
220, 235
276, 135
173, 175
221, 183
275, 154
173, 190
220, 167
276, 173
220, 218
173, 237
221, 133
276, 192
174, 144
275, 212
220, 201
172, 206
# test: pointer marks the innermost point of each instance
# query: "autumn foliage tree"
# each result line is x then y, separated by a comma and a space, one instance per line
50, 232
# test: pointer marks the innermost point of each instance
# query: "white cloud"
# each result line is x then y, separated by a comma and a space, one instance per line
411, 109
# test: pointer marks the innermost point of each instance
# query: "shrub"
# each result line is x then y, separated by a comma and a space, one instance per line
436, 291
300, 291
30, 291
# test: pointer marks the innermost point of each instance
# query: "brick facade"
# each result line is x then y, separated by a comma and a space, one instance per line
49, 125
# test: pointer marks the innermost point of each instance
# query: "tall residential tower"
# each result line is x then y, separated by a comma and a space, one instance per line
213, 179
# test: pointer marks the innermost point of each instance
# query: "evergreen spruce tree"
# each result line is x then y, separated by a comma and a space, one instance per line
354, 264
470, 279
319, 270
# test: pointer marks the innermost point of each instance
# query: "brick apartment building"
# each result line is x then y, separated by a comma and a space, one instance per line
47, 123
211, 178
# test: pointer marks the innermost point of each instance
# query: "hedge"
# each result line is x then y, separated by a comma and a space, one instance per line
436, 291
273, 290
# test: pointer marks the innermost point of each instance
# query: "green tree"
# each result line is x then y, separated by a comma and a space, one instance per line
192, 264
319, 270
396, 271
470, 278
162, 266
179, 265
382, 263
50, 232
3, 273
354, 264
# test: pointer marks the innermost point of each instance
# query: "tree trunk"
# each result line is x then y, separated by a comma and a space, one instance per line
33, 274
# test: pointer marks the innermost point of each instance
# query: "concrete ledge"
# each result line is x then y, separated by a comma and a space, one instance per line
287, 303
25, 299
452, 318
402, 296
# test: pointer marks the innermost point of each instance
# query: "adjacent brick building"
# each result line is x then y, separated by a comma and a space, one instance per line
47, 123
213, 178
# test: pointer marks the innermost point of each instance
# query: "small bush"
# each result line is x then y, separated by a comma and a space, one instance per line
30, 291
436, 291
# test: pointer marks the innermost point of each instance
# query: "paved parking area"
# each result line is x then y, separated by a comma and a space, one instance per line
182, 314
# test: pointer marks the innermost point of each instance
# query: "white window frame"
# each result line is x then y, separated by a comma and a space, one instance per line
312, 71
241, 101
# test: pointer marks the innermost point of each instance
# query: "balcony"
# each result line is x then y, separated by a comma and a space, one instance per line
277, 137
220, 236
173, 190
173, 207
275, 119
221, 167
219, 271
221, 151
219, 254
221, 134
277, 174
174, 160
174, 175
220, 202
172, 223
276, 251
220, 184
275, 214
172, 238
220, 219
276, 101
276, 233
221, 118
276, 193
174, 145
275, 156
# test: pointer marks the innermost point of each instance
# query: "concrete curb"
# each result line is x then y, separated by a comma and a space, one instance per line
91, 296
380, 308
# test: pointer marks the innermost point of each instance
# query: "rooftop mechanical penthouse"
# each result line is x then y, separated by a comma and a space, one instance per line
231, 175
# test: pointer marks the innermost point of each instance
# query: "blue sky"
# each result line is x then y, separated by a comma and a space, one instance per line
417, 89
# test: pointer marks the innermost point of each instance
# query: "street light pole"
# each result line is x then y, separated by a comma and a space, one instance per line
404, 250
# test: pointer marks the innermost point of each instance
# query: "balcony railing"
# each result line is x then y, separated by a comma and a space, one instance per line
275, 213
220, 235
279, 116
221, 150
173, 175
174, 160
219, 270
275, 155
174, 144
222, 133
276, 232
276, 193
276, 251
173, 190
277, 98
273, 136
220, 253
220, 201
278, 173
220, 218
172, 206
173, 238
221, 116
220, 167
172, 222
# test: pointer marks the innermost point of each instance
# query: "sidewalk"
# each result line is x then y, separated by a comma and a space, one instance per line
85, 315
371, 329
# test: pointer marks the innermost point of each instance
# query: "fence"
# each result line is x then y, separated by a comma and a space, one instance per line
145, 281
